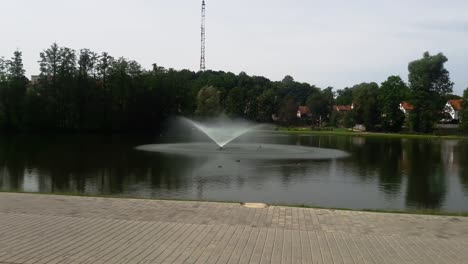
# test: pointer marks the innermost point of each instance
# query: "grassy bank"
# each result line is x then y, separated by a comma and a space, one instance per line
346, 132
390, 211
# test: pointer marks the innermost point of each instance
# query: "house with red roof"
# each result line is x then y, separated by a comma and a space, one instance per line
343, 108
303, 112
453, 108
406, 108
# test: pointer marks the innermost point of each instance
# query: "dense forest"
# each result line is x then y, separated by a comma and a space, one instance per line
89, 91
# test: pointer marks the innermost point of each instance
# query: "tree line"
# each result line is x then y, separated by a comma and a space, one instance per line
89, 91
428, 90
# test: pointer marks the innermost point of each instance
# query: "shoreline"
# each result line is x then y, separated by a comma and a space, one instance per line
342, 132
426, 212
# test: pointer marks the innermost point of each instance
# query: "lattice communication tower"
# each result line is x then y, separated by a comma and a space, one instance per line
202, 58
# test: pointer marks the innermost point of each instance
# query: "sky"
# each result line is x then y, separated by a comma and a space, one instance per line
325, 43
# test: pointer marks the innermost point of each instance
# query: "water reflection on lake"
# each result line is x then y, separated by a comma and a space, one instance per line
379, 174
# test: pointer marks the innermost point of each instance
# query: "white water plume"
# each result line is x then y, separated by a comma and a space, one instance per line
222, 131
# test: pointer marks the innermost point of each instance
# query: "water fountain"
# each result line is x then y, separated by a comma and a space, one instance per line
223, 132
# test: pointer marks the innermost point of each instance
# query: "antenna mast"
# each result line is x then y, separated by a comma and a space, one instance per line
202, 58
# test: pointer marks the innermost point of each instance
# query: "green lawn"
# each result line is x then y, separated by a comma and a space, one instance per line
347, 132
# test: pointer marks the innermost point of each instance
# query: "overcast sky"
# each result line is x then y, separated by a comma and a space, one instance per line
326, 43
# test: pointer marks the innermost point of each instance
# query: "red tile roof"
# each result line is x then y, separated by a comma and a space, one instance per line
456, 104
304, 110
342, 108
407, 106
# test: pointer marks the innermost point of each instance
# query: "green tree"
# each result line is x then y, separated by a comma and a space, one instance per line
288, 111
464, 112
329, 97
429, 82
251, 103
349, 119
208, 102
392, 92
58, 68
366, 105
298, 91
124, 79
266, 105
86, 96
12, 90
93, 91
3, 87
50, 62
344, 97
320, 104
17, 88
288, 80
103, 68
236, 102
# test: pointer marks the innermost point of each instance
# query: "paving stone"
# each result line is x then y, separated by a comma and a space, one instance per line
38, 228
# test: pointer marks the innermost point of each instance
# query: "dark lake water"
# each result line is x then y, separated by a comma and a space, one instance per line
378, 174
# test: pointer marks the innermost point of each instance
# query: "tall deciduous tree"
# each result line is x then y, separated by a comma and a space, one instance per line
266, 105
320, 104
49, 66
17, 88
16, 69
429, 82
103, 67
288, 110
3, 87
366, 105
464, 112
392, 92
236, 102
329, 97
12, 90
208, 102
58, 69
344, 96
287, 80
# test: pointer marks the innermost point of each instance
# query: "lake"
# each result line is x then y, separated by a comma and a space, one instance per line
380, 173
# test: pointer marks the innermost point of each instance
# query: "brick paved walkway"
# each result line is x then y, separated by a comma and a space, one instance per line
63, 229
